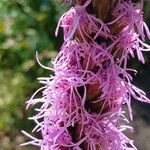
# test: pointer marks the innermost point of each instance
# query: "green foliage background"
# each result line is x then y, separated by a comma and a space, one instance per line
25, 26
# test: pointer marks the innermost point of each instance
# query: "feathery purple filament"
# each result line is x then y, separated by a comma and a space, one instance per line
81, 107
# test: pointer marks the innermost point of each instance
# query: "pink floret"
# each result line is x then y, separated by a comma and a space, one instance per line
82, 104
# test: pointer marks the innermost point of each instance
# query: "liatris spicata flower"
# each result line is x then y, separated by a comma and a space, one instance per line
82, 104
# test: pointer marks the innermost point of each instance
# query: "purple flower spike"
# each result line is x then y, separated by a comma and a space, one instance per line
82, 104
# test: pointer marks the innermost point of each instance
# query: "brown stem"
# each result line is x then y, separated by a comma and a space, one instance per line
101, 9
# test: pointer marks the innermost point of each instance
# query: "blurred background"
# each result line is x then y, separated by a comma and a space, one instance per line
27, 26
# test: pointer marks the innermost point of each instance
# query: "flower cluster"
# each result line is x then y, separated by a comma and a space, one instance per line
82, 104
